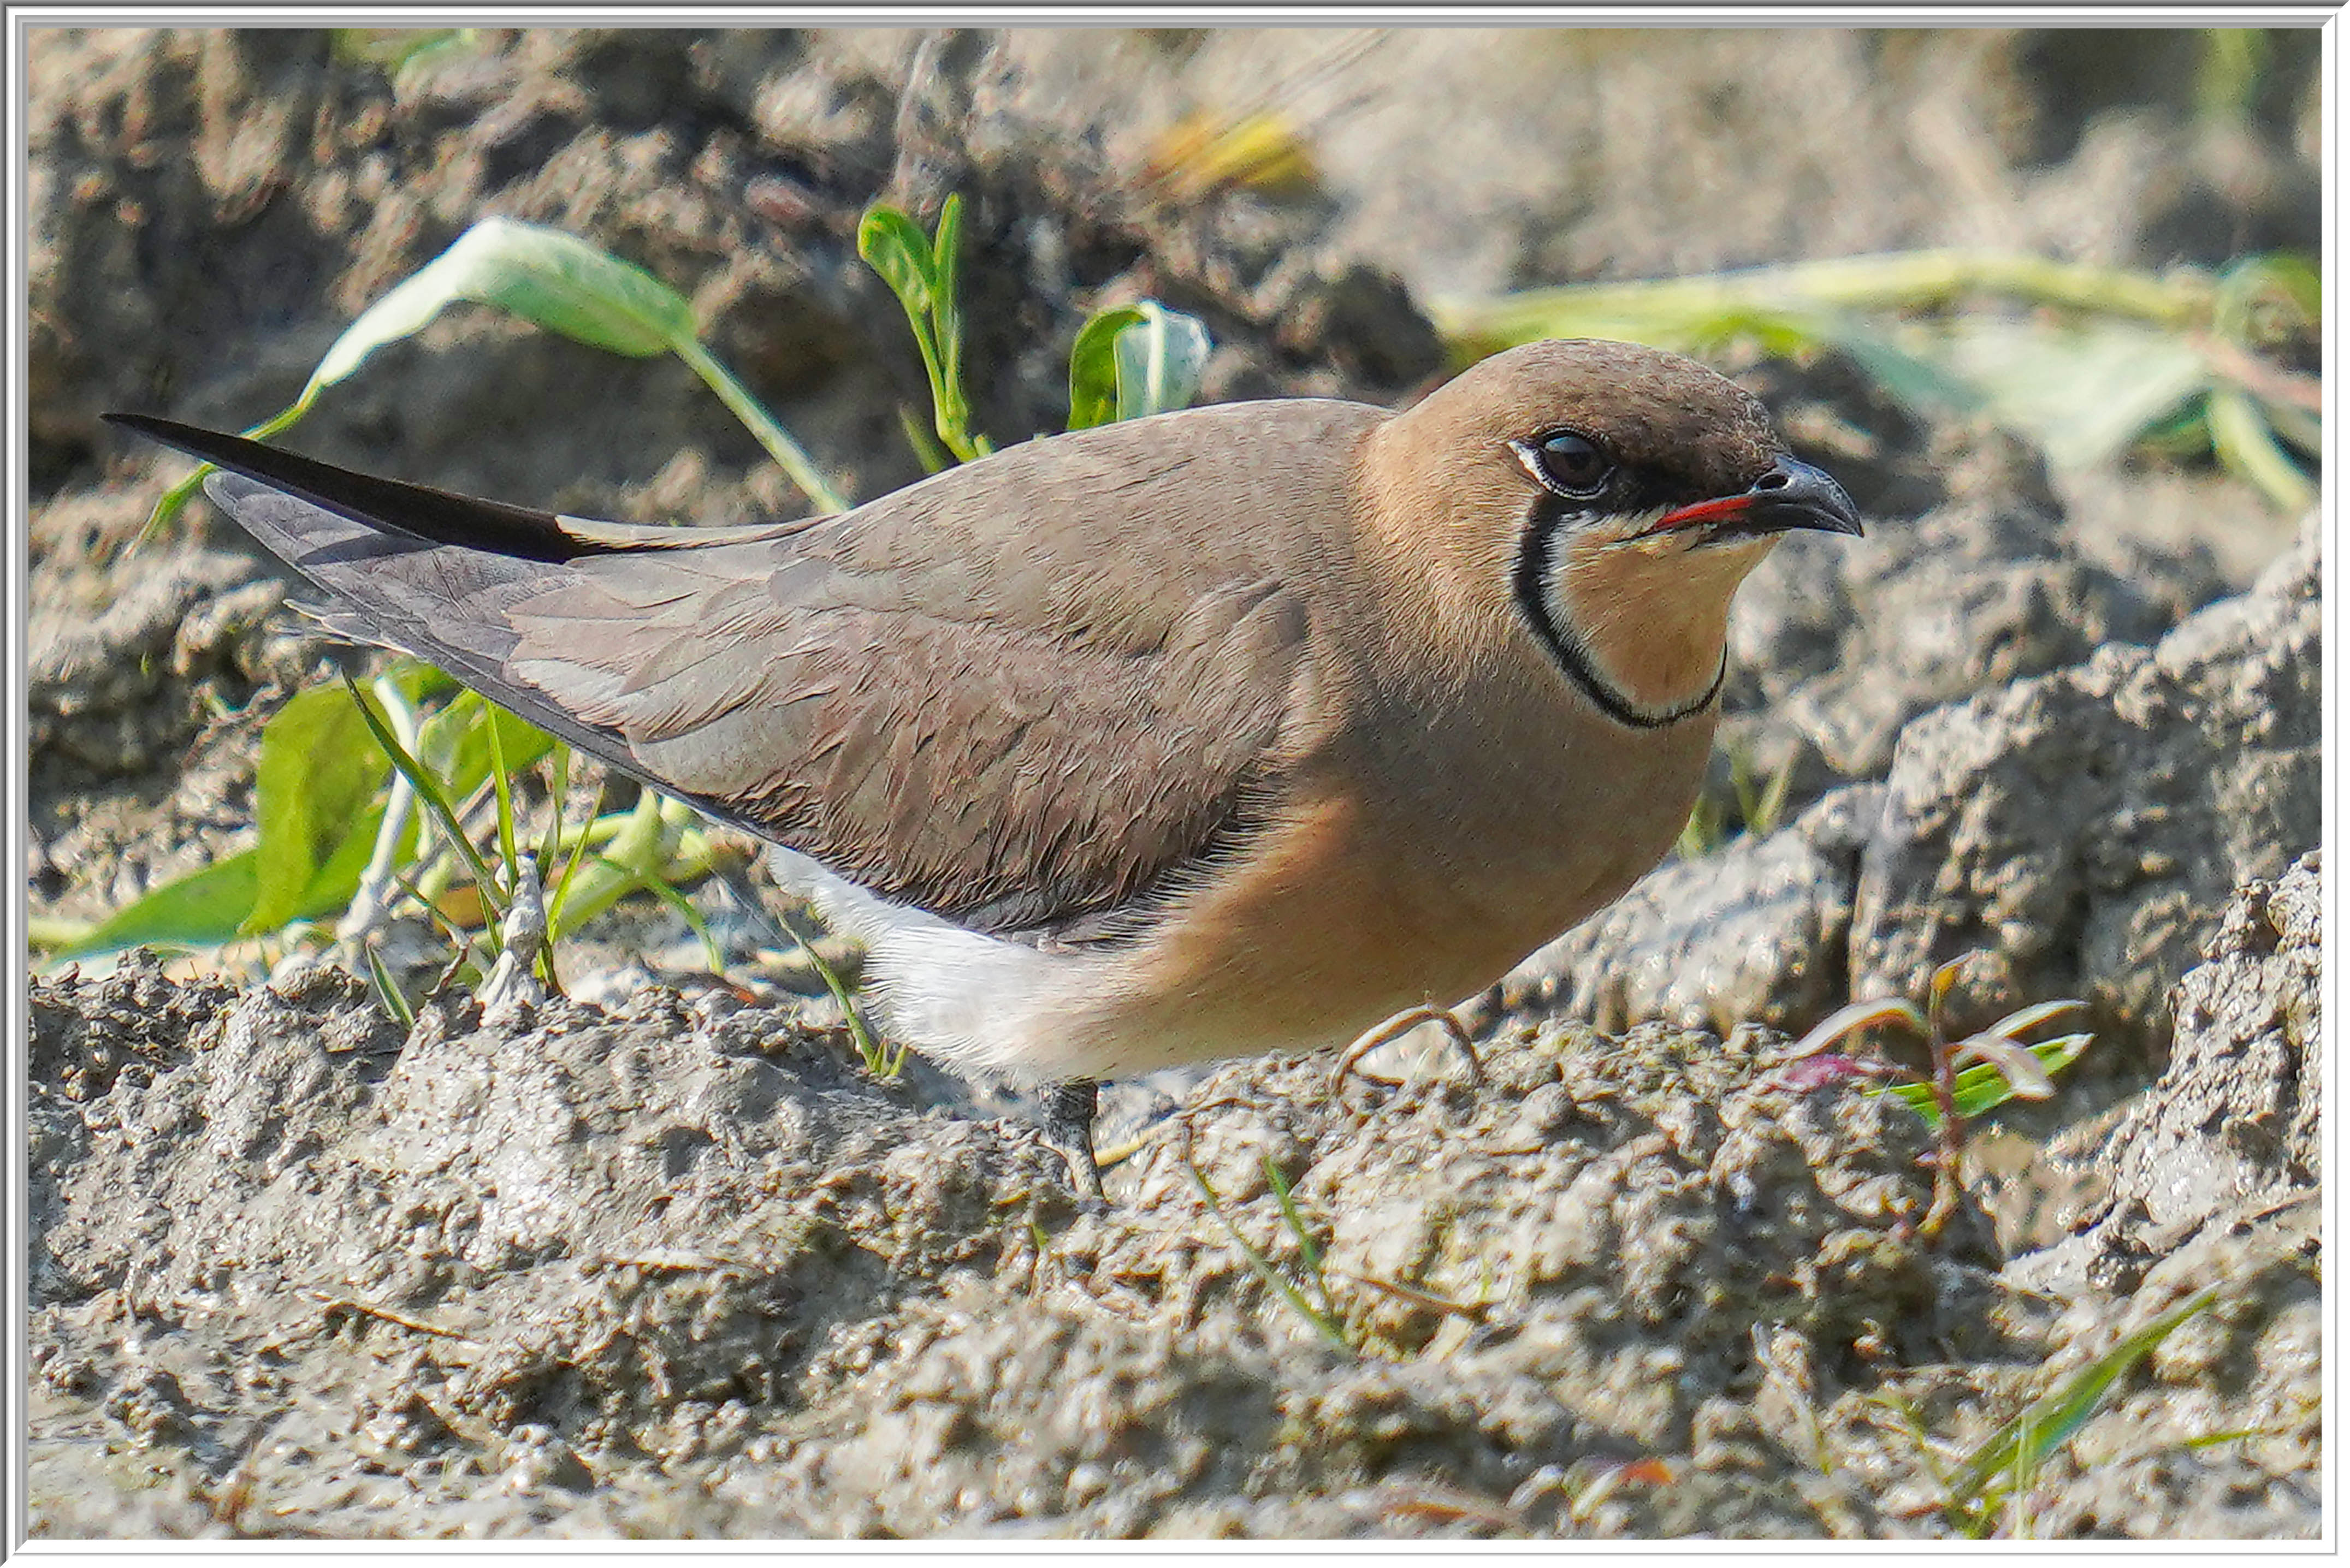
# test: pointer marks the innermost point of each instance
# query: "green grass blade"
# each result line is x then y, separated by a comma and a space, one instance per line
2012, 1455
637, 880
2242, 440
894, 247
644, 846
558, 906
501, 780
1307, 1252
881, 1063
461, 743
386, 990
1325, 1323
559, 784
428, 789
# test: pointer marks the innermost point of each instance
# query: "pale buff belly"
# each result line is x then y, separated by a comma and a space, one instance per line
1343, 927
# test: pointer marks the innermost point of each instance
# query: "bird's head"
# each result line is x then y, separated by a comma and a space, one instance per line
1616, 495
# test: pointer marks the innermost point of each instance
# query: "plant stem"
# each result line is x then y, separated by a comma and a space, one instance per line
789, 455
1915, 280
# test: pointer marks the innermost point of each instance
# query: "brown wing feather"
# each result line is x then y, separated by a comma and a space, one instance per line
1000, 775
1013, 726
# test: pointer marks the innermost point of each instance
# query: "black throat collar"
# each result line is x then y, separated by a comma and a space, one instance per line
1569, 652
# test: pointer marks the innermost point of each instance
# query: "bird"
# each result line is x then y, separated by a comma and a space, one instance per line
1224, 732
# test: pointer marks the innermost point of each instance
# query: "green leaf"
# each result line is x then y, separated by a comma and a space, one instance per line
640, 848
549, 279
318, 770
331, 890
1159, 362
893, 245
921, 272
1093, 367
456, 742
202, 909
946, 310
2084, 394
1984, 1087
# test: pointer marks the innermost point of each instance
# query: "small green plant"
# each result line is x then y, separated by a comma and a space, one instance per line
560, 284
921, 270
1128, 361
334, 841
1320, 1310
881, 1060
1134, 360
1948, 1097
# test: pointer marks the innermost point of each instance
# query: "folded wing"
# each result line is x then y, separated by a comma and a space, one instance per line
1016, 733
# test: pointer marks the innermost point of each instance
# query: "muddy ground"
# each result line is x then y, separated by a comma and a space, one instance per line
660, 1259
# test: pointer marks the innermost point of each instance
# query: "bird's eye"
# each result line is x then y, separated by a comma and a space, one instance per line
1571, 464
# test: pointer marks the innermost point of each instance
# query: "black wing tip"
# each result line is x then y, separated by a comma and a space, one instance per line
213, 446
152, 425
441, 516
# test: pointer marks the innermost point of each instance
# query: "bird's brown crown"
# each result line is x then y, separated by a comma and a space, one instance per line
1679, 426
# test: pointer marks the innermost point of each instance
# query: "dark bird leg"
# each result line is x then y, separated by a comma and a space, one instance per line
1069, 1108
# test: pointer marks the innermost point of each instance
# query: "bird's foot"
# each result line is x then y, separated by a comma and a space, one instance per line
1069, 1109
1378, 1034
